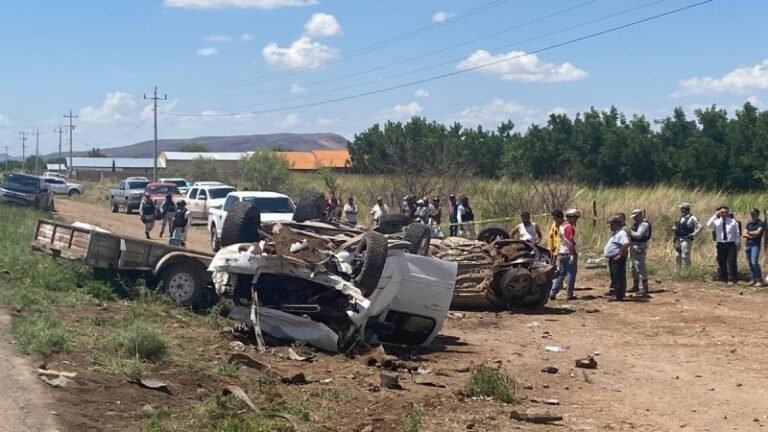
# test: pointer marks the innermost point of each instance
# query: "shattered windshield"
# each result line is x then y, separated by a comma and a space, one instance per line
272, 205
21, 183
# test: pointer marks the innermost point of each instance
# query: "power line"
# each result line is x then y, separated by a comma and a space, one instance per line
127, 133
154, 99
454, 60
459, 72
372, 47
71, 128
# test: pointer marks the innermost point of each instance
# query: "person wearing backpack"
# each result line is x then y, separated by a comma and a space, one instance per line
641, 233
147, 212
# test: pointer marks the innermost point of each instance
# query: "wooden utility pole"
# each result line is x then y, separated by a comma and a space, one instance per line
23, 138
154, 100
37, 151
60, 130
71, 128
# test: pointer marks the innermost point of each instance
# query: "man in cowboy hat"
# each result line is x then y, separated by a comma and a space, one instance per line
568, 256
686, 229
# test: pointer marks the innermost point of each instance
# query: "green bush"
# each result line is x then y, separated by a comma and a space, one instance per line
489, 382
142, 341
40, 333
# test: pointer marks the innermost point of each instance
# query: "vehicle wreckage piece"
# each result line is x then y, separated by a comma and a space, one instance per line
506, 273
347, 289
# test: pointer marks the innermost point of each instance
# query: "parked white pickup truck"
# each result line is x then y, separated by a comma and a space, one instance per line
274, 207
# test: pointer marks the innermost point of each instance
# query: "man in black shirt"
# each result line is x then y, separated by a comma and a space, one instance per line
754, 235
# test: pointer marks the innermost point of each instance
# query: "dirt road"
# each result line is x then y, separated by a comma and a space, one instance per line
121, 223
24, 404
693, 358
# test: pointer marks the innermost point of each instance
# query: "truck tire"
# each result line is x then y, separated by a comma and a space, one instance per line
127, 208
393, 223
372, 251
215, 241
74, 192
241, 224
516, 285
185, 282
419, 236
491, 233
311, 206
113, 204
538, 299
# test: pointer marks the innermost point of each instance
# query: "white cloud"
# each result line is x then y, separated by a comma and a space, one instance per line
222, 4
752, 100
496, 112
288, 121
517, 66
218, 38
303, 53
421, 93
399, 112
325, 121
4, 120
246, 37
296, 89
162, 108
207, 52
322, 25
739, 80
441, 16
116, 107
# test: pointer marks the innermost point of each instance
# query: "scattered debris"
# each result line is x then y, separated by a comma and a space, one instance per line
550, 370
456, 315
539, 418
430, 384
546, 401
391, 382
554, 348
533, 325
299, 246
588, 362
55, 373
298, 424
60, 382
298, 379
589, 311
247, 361
293, 355
237, 346
240, 394
151, 384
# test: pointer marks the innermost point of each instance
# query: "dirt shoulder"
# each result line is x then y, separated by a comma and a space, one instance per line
25, 405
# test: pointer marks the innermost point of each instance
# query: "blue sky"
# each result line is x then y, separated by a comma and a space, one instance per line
216, 57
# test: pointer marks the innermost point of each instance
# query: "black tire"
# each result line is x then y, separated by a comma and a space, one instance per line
372, 251
215, 241
491, 233
392, 223
311, 206
419, 236
241, 224
74, 192
516, 285
185, 282
115, 207
539, 300
128, 208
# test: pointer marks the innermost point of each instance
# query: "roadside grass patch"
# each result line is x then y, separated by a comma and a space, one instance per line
228, 369
413, 417
41, 333
490, 382
142, 341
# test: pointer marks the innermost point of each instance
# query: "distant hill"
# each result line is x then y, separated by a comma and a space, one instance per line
241, 143
4, 156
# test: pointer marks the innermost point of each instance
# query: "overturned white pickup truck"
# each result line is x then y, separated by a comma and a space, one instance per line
333, 287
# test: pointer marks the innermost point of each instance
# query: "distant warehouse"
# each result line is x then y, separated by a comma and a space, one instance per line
97, 168
229, 163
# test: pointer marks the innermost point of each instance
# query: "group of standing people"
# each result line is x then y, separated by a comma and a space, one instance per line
174, 215
429, 211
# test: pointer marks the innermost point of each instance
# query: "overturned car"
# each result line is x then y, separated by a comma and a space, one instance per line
337, 288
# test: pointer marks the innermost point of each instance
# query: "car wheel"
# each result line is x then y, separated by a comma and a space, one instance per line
127, 209
185, 282
311, 206
392, 223
115, 207
371, 253
74, 192
418, 235
491, 233
215, 242
241, 224
516, 285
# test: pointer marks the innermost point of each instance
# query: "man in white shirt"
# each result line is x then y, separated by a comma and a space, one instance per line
379, 210
726, 231
527, 230
350, 211
616, 252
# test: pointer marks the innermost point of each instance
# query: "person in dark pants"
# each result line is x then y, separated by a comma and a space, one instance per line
726, 233
147, 212
453, 216
168, 213
754, 236
616, 251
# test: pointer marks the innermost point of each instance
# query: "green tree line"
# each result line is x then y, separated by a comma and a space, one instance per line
710, 150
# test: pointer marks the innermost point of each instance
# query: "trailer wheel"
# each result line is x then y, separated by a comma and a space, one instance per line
491, 233
418, 235
241, 224
185, 282
311, 206
392, 223
372, 253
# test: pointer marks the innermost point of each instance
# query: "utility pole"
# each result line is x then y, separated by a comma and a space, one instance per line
7, 156
23, 137
37, 151
60, 131
154, 99
71, 128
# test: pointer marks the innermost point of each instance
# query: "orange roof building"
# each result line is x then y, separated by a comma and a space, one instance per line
300, 161
331, 158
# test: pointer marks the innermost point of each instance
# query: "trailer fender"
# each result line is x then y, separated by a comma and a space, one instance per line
184, 276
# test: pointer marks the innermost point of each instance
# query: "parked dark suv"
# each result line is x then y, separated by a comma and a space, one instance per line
26, 190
